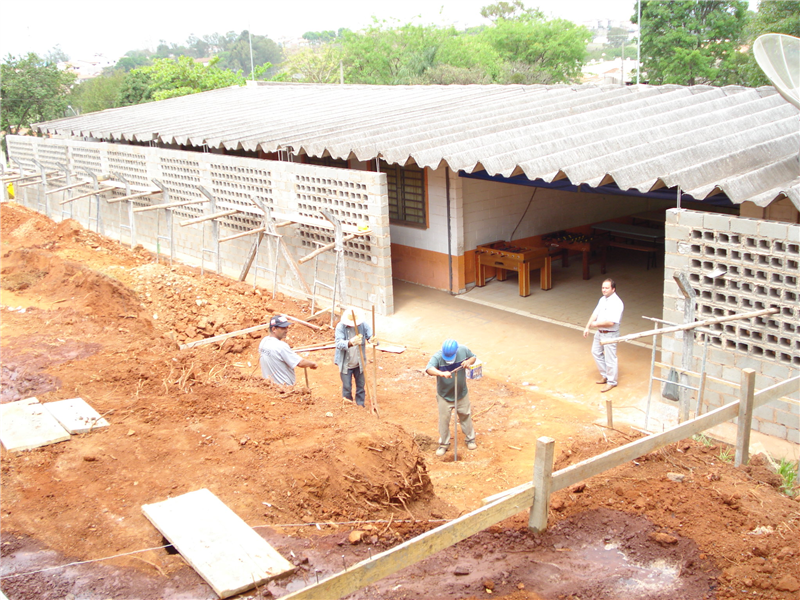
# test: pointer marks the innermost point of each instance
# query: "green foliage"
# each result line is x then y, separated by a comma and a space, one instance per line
510, 11
773, 16
689, 42
98, 93
133, 60
520, 46
787, 469
322, 37
390, 56
170, 78
317, 64
33, 90
539, 51
236, 56
703, 439
725, 455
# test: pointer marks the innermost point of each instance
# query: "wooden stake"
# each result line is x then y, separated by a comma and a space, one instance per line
374, 365
308, 385
609, 417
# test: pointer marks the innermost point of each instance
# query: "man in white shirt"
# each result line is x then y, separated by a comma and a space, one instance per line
605, 321
277, 359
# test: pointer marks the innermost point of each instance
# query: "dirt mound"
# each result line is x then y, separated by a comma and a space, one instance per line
49, 276
327, 482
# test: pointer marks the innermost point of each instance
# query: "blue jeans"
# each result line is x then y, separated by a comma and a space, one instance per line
347, 384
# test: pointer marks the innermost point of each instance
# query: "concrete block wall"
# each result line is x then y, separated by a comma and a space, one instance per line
355, 197
761, 260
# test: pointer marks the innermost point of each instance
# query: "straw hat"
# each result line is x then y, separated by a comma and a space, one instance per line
347, 317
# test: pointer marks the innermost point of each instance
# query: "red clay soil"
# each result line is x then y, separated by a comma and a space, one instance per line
326, 483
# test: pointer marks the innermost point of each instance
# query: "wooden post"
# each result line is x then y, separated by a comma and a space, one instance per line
746, 398
542, 483
374, 364
609, 416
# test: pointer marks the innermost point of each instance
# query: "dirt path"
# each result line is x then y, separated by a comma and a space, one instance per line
84, 316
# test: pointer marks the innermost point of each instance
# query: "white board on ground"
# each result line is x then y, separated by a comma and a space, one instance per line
75, 415
219, 545
25, 424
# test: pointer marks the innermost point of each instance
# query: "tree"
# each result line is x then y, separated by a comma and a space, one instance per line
98, 93
390, 55
33, 90
237, 55
539, 51
510, 11
170, 78
689, 42
317, 64
773, 16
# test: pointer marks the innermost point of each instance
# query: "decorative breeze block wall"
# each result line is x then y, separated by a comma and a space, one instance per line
355, 197
761, 261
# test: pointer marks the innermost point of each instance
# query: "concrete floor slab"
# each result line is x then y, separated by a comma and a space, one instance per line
75, 415
216, 542
26, 424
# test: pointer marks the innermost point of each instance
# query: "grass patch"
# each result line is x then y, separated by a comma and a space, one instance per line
787, 469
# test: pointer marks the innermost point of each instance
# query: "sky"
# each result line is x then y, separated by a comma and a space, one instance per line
83, 28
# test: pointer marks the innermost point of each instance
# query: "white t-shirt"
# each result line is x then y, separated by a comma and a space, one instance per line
610, 308
277, 360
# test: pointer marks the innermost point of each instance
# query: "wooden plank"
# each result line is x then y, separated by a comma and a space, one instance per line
746, 399
542, 471
394, 349
619, 456
133, 196
75, 415
26, 424
87, 194
302, 322
685, 326
219, 215
316, 222
773, 392
168, 205
414, 550
68, 187
241, 234
224, 336
216, 542
326, 247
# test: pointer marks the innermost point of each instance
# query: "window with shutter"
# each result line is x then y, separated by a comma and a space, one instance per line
406, 194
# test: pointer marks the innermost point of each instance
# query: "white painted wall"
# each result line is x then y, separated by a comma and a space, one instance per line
492, 210
434, 238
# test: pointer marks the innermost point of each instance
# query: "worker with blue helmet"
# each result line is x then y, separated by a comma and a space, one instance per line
449, 367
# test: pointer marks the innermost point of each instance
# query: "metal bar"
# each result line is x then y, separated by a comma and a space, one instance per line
650, 385
684, 327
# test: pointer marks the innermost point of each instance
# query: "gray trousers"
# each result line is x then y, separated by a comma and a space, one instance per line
464, 417
606, 356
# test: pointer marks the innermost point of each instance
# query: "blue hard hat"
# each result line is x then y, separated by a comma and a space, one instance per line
449, 349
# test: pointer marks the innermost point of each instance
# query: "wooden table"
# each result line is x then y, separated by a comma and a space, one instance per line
504, 257
567, 243
635, 237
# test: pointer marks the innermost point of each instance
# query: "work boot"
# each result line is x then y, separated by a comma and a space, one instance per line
440, 451
602, 381
609, 386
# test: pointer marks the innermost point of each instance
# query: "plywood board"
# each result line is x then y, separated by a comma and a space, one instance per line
26, 424
219, 545
75, 415
390, 348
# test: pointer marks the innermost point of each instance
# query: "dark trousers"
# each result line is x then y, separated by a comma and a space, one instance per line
347, 384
